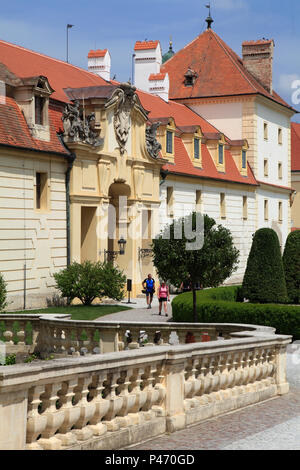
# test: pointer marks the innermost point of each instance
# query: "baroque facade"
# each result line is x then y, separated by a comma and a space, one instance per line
87, 163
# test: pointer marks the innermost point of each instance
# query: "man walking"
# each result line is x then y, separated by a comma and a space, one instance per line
149, 287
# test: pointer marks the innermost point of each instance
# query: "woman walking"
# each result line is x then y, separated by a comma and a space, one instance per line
163, 297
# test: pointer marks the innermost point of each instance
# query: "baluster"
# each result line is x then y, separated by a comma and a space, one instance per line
224, 376
271, 366
159, 376
122, 339
87, 409
135, 336
8, 332
215, 387
152, 393
123, 419
259, 369
36, 422
71, 410
101, 405
140, 393
55, 417
21, 333
206, 377
237, 374
165, 336
116, 403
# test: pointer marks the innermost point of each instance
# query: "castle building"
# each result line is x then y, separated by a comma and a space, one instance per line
295, 129
89, 165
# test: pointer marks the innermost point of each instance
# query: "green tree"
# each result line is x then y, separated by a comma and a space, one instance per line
88, 281
3, 293
264, 280
291, 264
209, 266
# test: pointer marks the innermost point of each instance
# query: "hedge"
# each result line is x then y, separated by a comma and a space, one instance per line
264, 280
220, 306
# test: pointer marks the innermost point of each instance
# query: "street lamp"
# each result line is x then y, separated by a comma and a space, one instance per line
69, 26
122, 244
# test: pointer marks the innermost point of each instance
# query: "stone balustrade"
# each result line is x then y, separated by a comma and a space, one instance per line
113, 400
57, 335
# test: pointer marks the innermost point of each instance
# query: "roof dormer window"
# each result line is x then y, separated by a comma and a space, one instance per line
244, 159
221, 154
197, 148
190, 77
39, 105
169, 146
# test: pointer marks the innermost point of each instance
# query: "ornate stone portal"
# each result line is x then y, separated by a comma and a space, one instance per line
124, 98
78, 128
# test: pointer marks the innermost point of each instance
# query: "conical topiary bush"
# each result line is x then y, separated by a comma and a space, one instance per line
291, 264
264, 280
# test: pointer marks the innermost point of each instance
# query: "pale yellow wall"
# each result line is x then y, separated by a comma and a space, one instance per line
28, 236
296, 205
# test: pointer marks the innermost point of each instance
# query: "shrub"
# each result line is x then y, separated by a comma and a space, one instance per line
88, 281
291, 264
264, 280
3, 293
212, 308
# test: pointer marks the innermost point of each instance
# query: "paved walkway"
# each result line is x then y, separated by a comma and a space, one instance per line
140, 312
272, 425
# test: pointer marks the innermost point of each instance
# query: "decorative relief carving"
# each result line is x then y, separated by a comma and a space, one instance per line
78, 128
152, 144
124, 97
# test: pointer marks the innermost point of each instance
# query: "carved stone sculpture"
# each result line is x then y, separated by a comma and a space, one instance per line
152, 144
124, 98
77, 128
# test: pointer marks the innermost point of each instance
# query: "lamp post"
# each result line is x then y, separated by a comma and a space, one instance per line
69, 26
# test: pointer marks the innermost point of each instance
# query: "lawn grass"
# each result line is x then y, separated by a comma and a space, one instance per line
79, 312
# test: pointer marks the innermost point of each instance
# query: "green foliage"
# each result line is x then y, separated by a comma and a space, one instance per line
209, 266
88, 281
264, 280
291, 264
10, 360
3, 293
220, 306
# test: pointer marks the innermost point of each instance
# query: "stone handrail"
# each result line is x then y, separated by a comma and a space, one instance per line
59, 335
112, 400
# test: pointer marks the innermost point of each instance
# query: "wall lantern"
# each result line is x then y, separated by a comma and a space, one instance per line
122, 244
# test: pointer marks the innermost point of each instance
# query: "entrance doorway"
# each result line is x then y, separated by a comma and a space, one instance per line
88, 234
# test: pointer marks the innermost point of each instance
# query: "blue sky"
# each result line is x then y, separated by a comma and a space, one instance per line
116, 25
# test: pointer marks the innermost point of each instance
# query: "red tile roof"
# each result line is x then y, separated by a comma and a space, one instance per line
97, 53
295, 229
182, 115
157, 76
183, 165
27, 63
220, 71
144, 45
258, 42
14, 130
295, 150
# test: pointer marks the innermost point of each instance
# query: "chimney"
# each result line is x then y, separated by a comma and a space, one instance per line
99, 62
159, 85
147, 61
258, 60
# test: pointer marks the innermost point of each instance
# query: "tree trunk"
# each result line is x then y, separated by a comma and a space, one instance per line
195, 319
